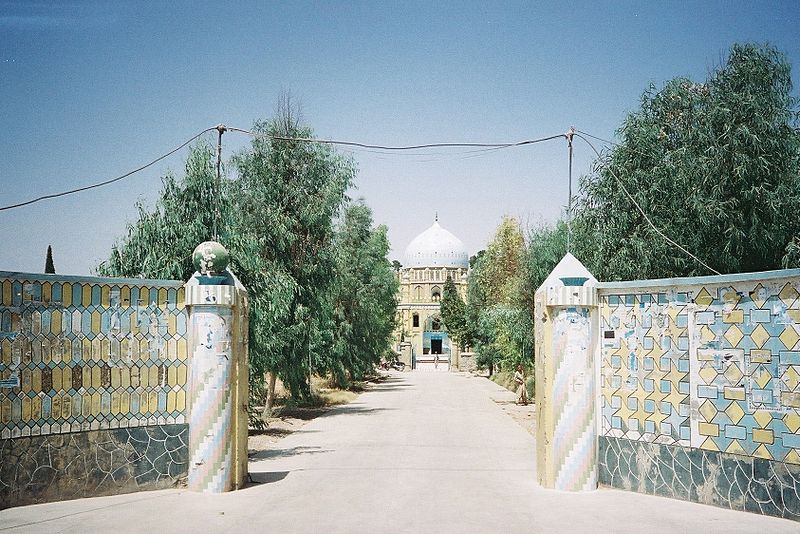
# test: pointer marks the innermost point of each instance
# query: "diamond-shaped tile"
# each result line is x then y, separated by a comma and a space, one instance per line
759, 336
792, 457
788, 294
708, 410
709, 445
759, 295
707, 335
703, 298
733, 335
791, 378
763, 418
708, 374
762, 376
789, 336
792, 421
735, 412
730, 296
733, 373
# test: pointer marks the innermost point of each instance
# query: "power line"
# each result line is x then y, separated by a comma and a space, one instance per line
397, 148
646, 218
598, 138
480, 149
111, 181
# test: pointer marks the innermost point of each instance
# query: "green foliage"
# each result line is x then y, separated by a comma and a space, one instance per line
498, 323
49, 267
498, 269
791, 260
286, 198
321, 298
453, 312
545, 247
715, 165
160, 243
364, 296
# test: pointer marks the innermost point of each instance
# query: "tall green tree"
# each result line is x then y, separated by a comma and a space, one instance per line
498, 323
453, 311
364, 295
288, 195
545, 246
499, 268
715, 165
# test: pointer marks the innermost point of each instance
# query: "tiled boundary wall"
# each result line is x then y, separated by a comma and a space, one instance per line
93, 398
700, 389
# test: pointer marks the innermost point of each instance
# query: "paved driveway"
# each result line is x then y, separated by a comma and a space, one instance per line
423, 452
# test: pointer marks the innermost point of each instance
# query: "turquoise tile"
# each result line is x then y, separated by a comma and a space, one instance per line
56, 292
76, 295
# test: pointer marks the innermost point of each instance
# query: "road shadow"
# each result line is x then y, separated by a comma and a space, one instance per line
397, 387
287, 453
300, 412
355, 410
390, 383
265, 477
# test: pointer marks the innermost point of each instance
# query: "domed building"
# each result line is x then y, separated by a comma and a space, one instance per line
421, 338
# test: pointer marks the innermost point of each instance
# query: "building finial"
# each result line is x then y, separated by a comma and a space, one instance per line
436, 216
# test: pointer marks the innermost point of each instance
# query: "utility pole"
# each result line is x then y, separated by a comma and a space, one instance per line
221, 129
569, 135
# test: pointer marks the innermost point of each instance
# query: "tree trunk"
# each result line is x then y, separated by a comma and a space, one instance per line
267, 413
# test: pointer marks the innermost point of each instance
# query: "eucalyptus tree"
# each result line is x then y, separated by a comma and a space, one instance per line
288, 193
364, 295
159, 244
715, 165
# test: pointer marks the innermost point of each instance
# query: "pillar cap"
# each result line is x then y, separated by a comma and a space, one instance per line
210, 258
569, 272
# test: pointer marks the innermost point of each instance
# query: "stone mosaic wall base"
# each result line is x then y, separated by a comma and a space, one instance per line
708, 477
54, 467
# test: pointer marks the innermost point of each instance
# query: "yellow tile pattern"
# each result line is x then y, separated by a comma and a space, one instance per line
93, 353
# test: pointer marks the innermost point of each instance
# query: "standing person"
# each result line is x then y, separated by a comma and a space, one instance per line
519, 378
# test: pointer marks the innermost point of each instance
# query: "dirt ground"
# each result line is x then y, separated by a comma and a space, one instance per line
525, 416
288, 419
281, 426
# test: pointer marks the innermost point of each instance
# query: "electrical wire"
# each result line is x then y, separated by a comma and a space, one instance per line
638, 207
598, 138
106, 182
397, 148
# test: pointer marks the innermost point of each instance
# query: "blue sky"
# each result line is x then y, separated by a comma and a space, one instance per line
89, 90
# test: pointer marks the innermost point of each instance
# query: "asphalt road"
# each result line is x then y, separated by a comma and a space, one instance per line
422, 452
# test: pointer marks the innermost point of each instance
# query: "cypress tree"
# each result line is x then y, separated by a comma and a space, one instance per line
49, 268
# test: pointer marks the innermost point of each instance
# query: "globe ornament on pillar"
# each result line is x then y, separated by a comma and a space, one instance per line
210, 258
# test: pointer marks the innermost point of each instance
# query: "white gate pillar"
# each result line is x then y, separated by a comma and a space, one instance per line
218, 386
566, 433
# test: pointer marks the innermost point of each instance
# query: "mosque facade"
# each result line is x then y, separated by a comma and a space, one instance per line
421, 338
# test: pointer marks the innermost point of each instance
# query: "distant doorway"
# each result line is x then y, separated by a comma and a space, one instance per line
436, 346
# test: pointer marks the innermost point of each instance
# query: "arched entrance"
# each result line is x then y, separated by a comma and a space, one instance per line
435, 346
